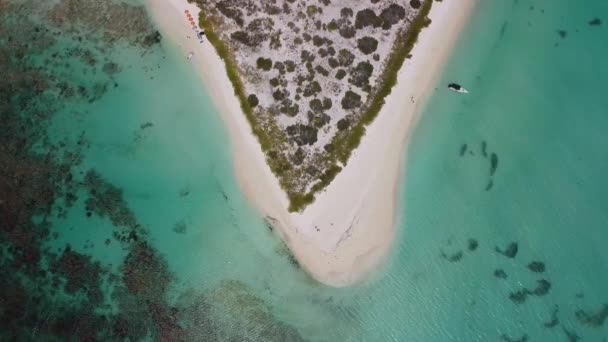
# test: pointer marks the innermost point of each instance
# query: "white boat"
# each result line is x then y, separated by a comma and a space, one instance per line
457, 88
190, 55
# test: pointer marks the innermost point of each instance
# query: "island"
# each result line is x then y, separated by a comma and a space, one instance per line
319, 98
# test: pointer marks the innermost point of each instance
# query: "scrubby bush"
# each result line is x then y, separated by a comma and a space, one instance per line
312, 10
243, 38
393, 14
280, 94
359, 76
289, 108
298, 157
307, 56
346, 12
345, 57
321, 70
229, 10
333, 63
286, 8
253, 100
264, 63
367, 17
343, 124
275, 40
317, 40
347, 31
262, 27
316, 106
272, 10
290, 66
280, 67
340, 74
415, 4
302, 134
326, 103
318, 120
367, 45
351, 100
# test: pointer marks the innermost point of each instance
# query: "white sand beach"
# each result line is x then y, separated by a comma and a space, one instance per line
348, 232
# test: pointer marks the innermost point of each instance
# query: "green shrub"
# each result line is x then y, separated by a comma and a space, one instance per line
253, 100
367, 45
351, 100
264, 63
332, 26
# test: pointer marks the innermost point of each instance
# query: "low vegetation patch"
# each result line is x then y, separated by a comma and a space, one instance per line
306, 93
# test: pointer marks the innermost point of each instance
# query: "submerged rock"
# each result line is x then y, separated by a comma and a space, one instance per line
473, 244
493, 163
542, 288
519, 297
554, 320
595, 22
594, 319
571, 335
506, 338
490, 185
463, 149
180, 227
453, 257
510, 251
537, 266
500, 274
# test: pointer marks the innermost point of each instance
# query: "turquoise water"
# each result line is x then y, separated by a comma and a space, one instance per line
537, 101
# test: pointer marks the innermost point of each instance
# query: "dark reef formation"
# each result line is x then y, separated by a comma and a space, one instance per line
500, 274
593, 319
493, 163
554, 319
484, 148
571, 335
537, 266
595, 22
48, 50
472, 245
542, 288
510, 251
464, 148
454, 257
506, 338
